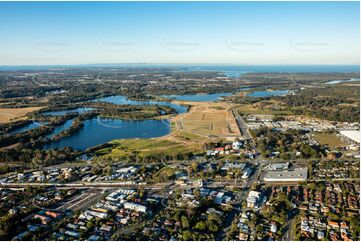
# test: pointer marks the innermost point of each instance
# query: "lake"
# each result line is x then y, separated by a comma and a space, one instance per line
102, 130
340, 81
63, 112
98, 131
199, 97
30, 126
124, 100
35, 125
60, 128
267, 93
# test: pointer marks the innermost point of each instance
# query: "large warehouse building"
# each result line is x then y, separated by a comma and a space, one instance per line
351, 134
295, 175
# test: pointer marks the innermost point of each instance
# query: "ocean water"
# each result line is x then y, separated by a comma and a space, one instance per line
230, 69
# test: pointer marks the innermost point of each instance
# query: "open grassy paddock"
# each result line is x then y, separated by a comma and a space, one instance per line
157, 147
12, 114
329, 139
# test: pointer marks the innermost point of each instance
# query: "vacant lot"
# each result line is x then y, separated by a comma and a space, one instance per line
158, 147
329, 139
12, 114
209, 120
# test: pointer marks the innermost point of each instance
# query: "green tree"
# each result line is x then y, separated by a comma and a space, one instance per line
214, 217
201, 225
89, 224
212, 227
185, 222
186, 235
355, 225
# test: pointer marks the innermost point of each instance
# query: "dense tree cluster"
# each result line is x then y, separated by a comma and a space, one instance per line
290, 144
38, 157
335, 103
30, 138
195, 223
324, 108
5, 128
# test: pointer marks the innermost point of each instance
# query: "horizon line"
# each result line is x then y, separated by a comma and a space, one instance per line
147, 63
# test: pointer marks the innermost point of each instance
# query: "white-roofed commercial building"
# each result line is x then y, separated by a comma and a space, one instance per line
354, 135
296, 175
135, 207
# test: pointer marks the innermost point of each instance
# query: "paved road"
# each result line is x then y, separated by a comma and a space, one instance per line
114, 185
241, 125
238, 208
334, 179
288, 235
247, 184
84, 185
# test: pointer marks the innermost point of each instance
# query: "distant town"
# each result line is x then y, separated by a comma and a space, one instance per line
175, 154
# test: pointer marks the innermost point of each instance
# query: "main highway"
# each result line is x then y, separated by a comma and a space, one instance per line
241, 125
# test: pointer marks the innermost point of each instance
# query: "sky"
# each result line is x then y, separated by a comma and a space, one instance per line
254, 33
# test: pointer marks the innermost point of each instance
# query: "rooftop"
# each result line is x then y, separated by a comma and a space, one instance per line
298, 174
351, 134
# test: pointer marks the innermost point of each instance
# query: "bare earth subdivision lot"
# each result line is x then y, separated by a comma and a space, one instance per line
209, 120
12, 114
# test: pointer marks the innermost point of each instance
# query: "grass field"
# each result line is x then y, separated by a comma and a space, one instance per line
12, 114
143, 148
329, 139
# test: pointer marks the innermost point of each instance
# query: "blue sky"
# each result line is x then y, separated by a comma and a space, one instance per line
265, 33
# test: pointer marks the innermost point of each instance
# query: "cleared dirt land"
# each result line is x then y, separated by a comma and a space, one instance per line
208, 119
12, 114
